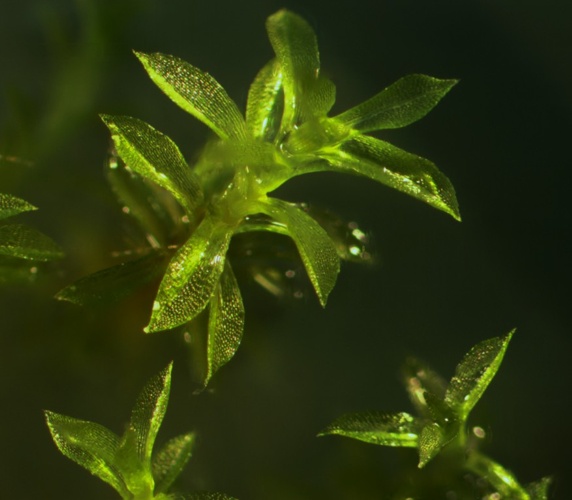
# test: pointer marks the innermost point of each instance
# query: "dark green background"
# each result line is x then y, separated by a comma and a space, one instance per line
503, 138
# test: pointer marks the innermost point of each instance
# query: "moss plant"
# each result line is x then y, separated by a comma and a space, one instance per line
285, 132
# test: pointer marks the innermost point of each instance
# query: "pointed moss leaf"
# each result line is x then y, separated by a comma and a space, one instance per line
170, 461
420, 379
474, 373
316, 249
496, 475
404, 102
10, 205
226, 323
399, 429
115, 283
538, 490
296, 49
90, 445
205, 496
156, 157
385, 163
265, 102
25, 242
148, 413
431, 440
196, 92
192, 276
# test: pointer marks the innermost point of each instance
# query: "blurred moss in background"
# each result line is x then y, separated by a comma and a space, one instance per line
438, 287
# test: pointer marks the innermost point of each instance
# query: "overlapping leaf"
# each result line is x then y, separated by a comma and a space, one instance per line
192, 276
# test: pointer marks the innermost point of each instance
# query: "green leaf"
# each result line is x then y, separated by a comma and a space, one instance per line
296, 49
398, 429
431, 440
226, 323
419, 380
25, 242
90, 445
170, 461
206, 496
385, 163
404, 102
196, 92
538, 490
10, 205
148, 414
115, 283
316, 249
192, 276
265, 102
156, 157
474, 373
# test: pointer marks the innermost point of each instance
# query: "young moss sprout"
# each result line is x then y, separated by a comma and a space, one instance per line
285, 132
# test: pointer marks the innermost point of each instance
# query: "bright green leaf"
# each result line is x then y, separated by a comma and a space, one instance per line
148, 413
399, 429
474, 373
385, 163
404, 102
170, 461
265, 102
192, 276
156, 157
196, 92
115, 283
296, 49
11, 205
431, 440
90, 445
226, 323
316, 249
25, 242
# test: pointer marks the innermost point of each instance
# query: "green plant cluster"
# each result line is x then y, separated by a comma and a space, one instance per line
190, 212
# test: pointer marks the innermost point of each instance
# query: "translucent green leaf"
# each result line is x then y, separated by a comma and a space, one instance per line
538, 490
148, 414
115, 283
205, 496
296, 49
474, 373
496, 475
192, 276
226, 323
90, 445
404, 102
25, 242
158, 213
398, 429
420, 379
156, 157
316, 249
431, 440
10, 205
170, 461
265, 102
385, 163
196, 92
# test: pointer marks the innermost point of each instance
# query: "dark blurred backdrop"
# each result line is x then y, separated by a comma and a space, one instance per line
503, 138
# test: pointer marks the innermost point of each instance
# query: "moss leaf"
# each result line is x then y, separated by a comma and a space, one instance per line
169, 462
25, 242
11, 205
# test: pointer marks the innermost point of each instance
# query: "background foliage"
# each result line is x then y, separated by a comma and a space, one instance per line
438, 288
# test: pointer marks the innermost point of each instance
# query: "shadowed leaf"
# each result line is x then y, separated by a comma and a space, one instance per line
419, 380
169, 462
11, 205
431, 440
25, 242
